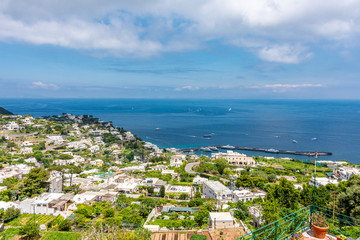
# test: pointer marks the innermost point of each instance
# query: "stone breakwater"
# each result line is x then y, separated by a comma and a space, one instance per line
306, 153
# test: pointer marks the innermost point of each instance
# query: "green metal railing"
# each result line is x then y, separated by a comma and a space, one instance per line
301, 221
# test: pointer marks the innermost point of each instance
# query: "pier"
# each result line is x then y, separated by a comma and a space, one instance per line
306, 153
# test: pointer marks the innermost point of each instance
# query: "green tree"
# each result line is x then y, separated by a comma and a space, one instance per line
184, 196
36, 181
11, 145
38, 155
241, 211
65, 156
285, 193
271, 178
65, 225
174, 216
201, 216
5, 195
150, 190
162, 191
221, 164
270, 210
11, 213
307, 196
348, 202
30, 230
109, 212
197, 194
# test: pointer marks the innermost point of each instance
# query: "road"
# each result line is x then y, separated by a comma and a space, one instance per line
189, 166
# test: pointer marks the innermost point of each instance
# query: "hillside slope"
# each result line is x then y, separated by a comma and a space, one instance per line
5, 112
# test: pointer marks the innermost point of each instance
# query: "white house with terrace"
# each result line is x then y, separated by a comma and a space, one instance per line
246, 195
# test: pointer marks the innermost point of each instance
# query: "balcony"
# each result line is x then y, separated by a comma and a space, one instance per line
301, 221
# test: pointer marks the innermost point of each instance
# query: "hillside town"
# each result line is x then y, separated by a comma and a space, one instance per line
78, 176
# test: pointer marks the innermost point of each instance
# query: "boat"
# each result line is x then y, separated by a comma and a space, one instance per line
277, 136
207, 135
157, 129
205, 149
314, 139
294, 141
272, 150
213, 148
227, 147
229, 109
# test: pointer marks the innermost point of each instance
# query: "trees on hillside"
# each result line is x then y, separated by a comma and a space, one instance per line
241, 211
36, 181
285, 193
221, 164
348, 202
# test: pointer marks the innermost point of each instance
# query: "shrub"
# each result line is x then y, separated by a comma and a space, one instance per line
319, 220
30, 230
198, 237
65, 225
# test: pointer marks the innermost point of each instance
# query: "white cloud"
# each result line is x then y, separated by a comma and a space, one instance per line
191, 88
142, 28
44, 85
287, 86
284, 54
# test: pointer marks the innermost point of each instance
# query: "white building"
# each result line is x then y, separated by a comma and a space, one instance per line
129, 136
216, 190
235, 158
83, 144
178, 189
177, 160
46, 203
62, 162
199, 180
345, 173
55, 180
94, 148
26, 144
56, 140
323, 181
246, 195
14, 171
171, 172
26, 150
97, 162
140, 168
220, 220
30, 160
127, 187
12, 126
159, 167
27, 121
6, 205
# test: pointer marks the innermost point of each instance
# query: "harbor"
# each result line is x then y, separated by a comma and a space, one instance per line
227, 147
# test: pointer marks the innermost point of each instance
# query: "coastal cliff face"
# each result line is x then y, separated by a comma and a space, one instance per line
3, 111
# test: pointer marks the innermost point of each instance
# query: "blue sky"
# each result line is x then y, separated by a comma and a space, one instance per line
180, 49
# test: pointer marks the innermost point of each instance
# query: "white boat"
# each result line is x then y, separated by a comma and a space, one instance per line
229, 109
271, 150
228, 147
277, 136
294, 141
157, 129
213, 148
314, 139
205, 149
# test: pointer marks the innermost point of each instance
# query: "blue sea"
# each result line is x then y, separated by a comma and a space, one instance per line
246, 123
